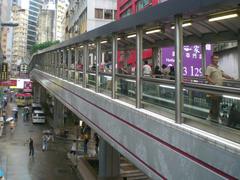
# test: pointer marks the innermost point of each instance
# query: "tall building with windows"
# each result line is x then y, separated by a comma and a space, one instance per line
46, 22
85, 15
33, 13
19, 34
61, 9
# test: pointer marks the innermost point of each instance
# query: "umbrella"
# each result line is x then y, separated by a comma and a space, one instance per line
9, 119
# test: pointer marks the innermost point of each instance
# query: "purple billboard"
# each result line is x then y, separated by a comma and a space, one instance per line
192, 58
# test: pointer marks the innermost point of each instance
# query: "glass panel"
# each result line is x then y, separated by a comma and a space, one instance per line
209, 111
159, 98
105, 84
91, 81
126, 89
65, 72
91, 66
126, 56
106, 63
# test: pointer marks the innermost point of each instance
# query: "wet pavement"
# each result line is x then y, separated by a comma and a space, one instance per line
52, 164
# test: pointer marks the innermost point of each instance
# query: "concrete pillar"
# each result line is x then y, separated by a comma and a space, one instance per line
109, 161
43, 95
58, 114
36, 92
204, 59
238, 59
155, 60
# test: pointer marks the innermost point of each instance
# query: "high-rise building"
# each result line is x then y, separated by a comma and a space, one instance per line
50, 26
19, 34
85, 15
5, 8
61, 8
33, 13
46, 22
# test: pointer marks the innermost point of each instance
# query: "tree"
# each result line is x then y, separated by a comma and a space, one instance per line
43, 45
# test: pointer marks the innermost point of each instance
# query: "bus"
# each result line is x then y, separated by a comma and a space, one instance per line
24, 99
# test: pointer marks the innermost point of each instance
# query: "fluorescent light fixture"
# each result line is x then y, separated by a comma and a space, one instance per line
118, 39
227, 16
103, 42
131, 36
72, 48
153, 31
183, 25
81, 46
168, 87
91, 44
231, 97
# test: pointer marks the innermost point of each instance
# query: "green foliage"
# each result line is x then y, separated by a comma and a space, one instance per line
43, 45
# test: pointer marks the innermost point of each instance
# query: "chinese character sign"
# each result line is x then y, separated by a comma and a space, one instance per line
27, 86
192, 59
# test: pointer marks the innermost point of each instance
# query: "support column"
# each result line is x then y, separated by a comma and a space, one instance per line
139, 67
238, 59
178, 65
85, 59
69, 64
109, 162
64, 64
155, 58
114, 62
36, 92
75, 63
43, 95
204, 59
99, 57
58, 114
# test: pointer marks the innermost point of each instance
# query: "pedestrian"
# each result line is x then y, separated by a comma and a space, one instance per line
31, 147
85, 146
214, 75
147, 70
96, 142
73, 148
44, 142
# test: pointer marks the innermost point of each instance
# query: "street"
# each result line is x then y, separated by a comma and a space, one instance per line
18, 165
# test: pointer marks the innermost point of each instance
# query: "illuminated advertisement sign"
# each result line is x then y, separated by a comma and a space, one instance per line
192, 58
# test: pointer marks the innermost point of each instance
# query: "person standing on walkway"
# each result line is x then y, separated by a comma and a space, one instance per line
214, 76
31, 147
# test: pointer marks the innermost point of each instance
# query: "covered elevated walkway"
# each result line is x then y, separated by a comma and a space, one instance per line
159, 124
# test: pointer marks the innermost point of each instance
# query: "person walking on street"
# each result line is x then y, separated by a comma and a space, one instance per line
45, 139
31, 147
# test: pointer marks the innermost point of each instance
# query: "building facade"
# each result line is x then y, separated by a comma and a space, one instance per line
85, 15
33, 13
61, 8
128, 7
46, 22
19, 34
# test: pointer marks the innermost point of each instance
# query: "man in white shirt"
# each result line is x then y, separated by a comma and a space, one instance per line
147, 70
214, 75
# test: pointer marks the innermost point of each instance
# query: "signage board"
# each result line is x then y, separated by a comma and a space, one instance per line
192, 58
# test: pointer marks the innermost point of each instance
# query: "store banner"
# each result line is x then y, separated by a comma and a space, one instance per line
8, 83
27, 86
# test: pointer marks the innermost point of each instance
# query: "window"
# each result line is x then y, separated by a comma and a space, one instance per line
108, 14
126, 13
98, 13
142, 4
